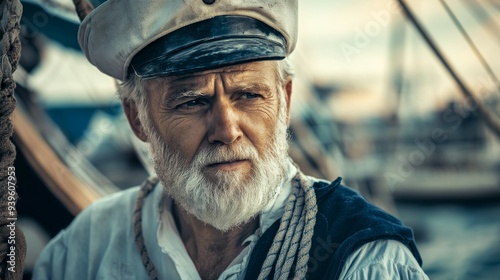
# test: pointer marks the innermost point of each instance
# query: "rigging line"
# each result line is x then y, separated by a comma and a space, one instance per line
397, 59
476, 51
491, 121
482, 13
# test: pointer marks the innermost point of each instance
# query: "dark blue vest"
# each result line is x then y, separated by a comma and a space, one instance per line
345, 222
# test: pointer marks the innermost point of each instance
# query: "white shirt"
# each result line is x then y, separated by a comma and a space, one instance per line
99, 245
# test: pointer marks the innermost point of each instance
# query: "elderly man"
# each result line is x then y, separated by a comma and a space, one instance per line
208, 86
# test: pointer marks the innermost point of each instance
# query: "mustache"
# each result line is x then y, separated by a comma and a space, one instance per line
209, 155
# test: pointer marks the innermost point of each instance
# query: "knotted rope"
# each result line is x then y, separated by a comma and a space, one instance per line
11, 265
291, 244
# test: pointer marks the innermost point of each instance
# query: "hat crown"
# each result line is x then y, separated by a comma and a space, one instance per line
116, 30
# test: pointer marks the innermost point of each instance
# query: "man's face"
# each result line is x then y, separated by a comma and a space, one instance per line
218, 140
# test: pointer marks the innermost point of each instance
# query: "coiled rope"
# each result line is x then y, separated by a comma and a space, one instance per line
292, 242
11, 267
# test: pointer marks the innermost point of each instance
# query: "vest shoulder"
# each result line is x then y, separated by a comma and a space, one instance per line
344, 222
338, 195
342, 207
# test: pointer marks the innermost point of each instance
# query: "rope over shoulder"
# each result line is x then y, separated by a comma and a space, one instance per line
10, 52
144, 191
293, 242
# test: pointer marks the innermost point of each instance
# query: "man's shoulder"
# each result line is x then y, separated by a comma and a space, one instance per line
346, 214
114, 203
108, 214
335, 198
337, 201
99, 243
346, 221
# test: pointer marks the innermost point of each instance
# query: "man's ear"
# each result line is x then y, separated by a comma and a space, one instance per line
288, 97
130, 109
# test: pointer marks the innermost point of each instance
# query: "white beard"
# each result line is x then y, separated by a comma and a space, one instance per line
223, 199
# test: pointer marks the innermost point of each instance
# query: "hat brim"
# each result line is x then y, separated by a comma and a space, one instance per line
211, 55
210, 44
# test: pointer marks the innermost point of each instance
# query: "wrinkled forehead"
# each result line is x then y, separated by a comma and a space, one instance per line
264, 73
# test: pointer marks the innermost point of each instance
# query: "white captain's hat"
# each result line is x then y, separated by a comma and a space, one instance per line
169, 37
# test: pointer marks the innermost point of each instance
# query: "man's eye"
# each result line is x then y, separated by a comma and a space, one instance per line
250, 95
190, 104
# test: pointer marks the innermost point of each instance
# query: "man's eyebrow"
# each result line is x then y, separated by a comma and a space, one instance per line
177, 94
254, 87
183, 93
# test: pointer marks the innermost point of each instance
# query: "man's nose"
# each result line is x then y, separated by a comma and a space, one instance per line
224, 124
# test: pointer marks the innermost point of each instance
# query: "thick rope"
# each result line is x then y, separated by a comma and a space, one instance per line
300, 232
291, 244
280, 235
294, 223
11, 261
144, 191
310, 221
